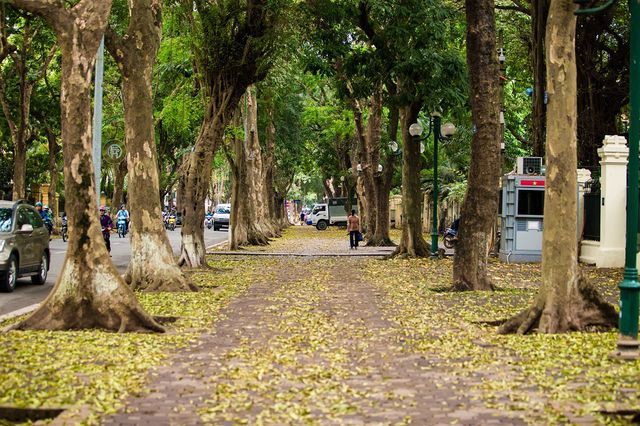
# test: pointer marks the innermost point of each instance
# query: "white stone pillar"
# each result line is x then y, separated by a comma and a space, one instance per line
584, 176
614, 156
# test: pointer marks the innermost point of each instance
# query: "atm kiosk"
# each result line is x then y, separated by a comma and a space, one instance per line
522, 214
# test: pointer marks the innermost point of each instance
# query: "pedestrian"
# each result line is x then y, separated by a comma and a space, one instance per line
302, 216
353, 227
107, 224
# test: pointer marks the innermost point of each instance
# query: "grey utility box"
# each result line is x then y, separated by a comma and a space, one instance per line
522, 216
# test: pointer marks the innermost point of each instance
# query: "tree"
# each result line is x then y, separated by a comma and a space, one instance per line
152, 266
23, 60
566, 301
480, 205
248, 224
232, 43
418, 57
539, 14
602, 46
89, 292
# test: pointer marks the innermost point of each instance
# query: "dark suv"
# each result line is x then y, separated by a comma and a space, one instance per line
24, 245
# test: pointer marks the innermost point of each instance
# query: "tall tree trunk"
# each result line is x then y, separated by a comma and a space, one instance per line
120, 171
89, 292
383, 182
53, 171
245, 228
412, 243
566, 301
152, 266
480, 206
255, 168
539, 13
194, 182
268, 170
364, 179
19, 168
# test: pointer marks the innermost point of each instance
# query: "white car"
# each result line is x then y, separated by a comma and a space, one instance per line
221, 216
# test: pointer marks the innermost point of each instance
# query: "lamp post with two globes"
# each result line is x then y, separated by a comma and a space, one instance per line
440, 132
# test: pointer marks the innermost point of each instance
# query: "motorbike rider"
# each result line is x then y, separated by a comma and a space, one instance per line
123, 214
107, 225
43, 211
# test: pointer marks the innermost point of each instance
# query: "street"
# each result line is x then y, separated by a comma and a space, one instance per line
26, 294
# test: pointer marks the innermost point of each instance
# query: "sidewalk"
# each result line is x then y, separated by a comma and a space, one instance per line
351, 340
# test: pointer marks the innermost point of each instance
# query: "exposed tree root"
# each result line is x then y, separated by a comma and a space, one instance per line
417, 248
153, 267
380, 242
169, 279
101, 300
192, 254
463, 284
587, 309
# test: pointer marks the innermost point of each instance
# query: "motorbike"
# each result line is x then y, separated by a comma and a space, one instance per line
48, 223
122, 227
64, 229
450, 237
208, 222
171, 223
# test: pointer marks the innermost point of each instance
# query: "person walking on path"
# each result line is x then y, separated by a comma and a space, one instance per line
353, 227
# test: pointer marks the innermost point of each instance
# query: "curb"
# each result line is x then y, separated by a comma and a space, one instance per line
19, 312
216, 245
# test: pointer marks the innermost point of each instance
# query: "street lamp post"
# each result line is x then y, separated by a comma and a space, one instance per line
628, 345
439, 132
436, 122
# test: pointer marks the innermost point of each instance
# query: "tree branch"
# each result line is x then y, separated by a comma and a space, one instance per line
516, 135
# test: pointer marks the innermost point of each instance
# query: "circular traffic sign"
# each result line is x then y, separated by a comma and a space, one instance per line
114, 152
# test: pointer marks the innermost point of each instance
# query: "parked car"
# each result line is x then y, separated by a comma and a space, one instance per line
24, 245
221, 216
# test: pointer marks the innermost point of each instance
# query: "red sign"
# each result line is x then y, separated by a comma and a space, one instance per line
531, 182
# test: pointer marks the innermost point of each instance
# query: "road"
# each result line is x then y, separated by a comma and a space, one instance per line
27, 294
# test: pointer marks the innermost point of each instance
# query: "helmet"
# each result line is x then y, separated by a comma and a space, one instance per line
102, 208
38, 204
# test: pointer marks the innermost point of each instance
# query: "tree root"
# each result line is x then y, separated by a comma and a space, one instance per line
586, 309
380, 242
113, 315
170, 279
462, 284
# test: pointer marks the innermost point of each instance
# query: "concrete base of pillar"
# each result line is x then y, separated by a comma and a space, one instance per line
589, 251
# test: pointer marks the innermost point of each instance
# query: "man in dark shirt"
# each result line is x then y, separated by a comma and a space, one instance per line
107, 225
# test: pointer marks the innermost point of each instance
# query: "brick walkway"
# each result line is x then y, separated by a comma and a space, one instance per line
311, 347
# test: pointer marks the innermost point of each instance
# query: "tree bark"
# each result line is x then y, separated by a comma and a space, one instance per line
120, 171
539, 13
246, 227
268, 171
412, 243
383, 181
566, 301
152, 266
197, 174
480, 206
89, 292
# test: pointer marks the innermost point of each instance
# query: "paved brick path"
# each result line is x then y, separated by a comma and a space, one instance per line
311, 347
